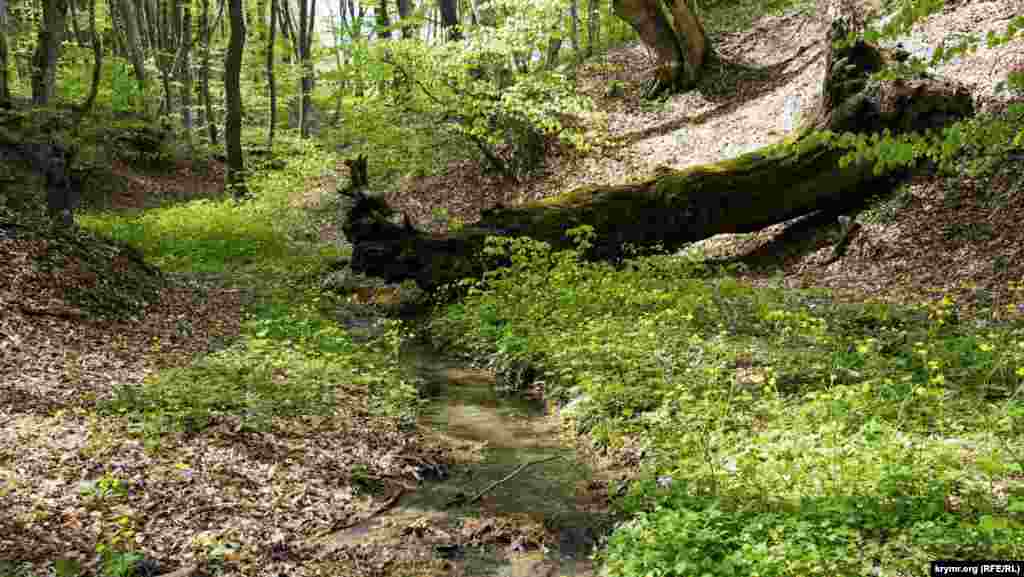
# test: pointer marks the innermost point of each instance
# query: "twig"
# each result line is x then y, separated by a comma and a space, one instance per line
391, 502
487, 489
186, 571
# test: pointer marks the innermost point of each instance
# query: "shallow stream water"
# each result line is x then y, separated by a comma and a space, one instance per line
542, 521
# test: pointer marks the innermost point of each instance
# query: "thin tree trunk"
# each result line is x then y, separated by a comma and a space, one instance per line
593, 26
204, 75
131, 30
450, 19
118, 48
271, 81
554, 47
97, 65
74, 23
233, 99
5, 89
163, 44
186, 73
307, 19
146, 33
51, 33
342, 24
383, 20
404, 11
574, 15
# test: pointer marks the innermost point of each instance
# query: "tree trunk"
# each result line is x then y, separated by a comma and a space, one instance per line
44, 65
271, 81
97, 65
5, 88
404, 12
186, 73
204, 75
680, 50
75, 31
795, 177
555, 45
383, 20
307, 20
131, 30
593, 27
233, 98
117, 38
574, 15
450, 19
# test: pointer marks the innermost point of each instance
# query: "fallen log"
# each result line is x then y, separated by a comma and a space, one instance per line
771, 185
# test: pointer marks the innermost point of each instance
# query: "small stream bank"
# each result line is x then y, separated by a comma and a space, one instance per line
541, 511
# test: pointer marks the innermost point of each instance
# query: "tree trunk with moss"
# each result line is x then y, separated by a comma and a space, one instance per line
795, 177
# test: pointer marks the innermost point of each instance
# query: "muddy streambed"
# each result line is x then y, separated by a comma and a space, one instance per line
540, 511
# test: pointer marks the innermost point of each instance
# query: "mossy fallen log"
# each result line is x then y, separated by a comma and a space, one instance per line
795, 177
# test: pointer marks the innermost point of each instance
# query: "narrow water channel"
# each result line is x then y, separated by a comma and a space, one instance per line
542, 521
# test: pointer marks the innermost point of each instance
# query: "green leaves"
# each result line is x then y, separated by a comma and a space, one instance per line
489, 88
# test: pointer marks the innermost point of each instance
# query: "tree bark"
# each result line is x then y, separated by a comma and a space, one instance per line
450, 19
404, 12
5, 89
204, 75
593, 27
186, 73
233, 98
680, 49
97, 66
271, 80
574, 16
51, 34
75, 30
134, 49
307, 20
795, 177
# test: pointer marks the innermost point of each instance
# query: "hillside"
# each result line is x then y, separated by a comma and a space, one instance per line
750, 99
192, 386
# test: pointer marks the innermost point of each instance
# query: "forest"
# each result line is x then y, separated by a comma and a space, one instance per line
417, 288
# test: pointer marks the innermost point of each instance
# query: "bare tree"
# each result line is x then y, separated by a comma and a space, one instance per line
233, 100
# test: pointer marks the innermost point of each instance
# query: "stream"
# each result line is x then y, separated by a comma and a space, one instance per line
541, 519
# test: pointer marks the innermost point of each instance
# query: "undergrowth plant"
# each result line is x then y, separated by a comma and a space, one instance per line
785, 433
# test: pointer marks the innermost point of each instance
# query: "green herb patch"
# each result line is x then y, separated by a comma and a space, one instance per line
791, 435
